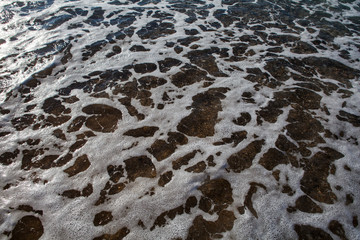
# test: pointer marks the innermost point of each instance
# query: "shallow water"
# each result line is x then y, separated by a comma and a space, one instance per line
178, 119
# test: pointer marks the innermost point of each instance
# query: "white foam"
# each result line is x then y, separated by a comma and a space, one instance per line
66, 218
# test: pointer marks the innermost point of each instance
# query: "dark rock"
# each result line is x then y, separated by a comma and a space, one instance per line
71, 193
278, 69
28, 157
248, 198
191, 31
63, 160
244, 119
217, 193
349, 199
119, 235
177, 138
128, 89
55, 121
102, 218
81, 164
141, 166
303, 48
307, 232
46, 162
197, 168
6, 158
116, 49
263, 79
28, 208
201, 121
178, 49
189, 76
275, 49
204, 59
271, 112
156, 29
160, 221
190, 203
116, 188
224, 18
20, 123
92, 49
76, 124
239, 49
161, 149
104, 119
332, 69
283, 39
284, 144
166, 64
97, 17
306, 98
123, 21
4, 111
144, 98
355, 221
337, 229
272, 158
314, 182
206, 230
149, 82
55, 21
288, 190
115, 172
243, 159
131, 109
236, 138
184, 160
77, 145
146, 131
53, 106
252, 40
87, 191
188, 40
348, 117
2, 134
27, 228
210, 161
138, 48
31, 142
165, 178
303, 126
145, 67
305, 204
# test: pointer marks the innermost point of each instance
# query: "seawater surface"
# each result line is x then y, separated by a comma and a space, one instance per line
153, 119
